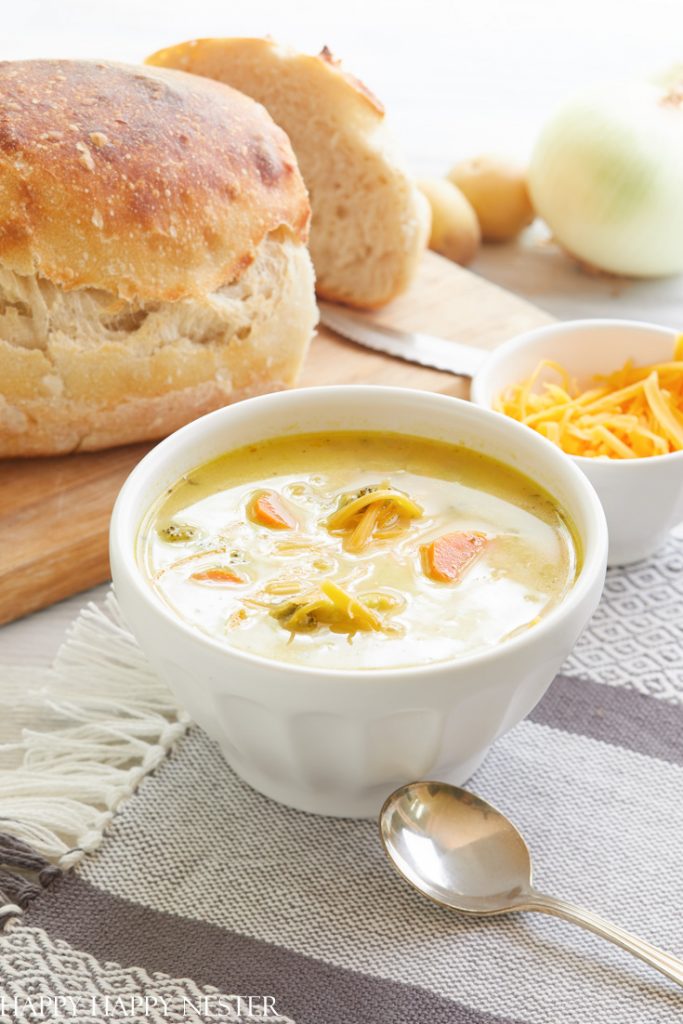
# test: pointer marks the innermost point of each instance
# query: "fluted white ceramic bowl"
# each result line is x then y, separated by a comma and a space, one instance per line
338, 742
642, 498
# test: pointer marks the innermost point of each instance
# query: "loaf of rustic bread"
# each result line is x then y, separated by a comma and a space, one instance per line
370, 223
153, 260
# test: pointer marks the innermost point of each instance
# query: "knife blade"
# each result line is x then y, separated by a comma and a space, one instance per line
411, 346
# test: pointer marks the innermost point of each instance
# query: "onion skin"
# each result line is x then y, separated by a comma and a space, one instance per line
607, 177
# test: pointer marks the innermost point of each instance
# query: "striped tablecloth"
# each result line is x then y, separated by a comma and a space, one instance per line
204, 893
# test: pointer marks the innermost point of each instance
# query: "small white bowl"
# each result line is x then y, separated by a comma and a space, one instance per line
338, 742
642, 498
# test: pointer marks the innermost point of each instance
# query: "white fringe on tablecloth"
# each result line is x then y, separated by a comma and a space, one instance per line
100, 720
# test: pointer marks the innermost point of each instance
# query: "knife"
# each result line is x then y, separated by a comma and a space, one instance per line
412, 346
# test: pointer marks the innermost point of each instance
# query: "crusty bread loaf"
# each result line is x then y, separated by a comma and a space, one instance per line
370, 223
152, 254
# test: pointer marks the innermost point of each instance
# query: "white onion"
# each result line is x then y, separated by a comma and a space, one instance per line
607, 177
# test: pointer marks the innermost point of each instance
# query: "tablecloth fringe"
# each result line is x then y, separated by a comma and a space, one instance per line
112, 721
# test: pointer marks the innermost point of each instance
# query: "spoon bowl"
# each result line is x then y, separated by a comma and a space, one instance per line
463, 854
455, 848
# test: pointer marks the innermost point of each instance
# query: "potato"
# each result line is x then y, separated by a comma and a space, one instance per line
455, 228
498, 192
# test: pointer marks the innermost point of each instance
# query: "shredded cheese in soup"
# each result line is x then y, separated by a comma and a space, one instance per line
358, 550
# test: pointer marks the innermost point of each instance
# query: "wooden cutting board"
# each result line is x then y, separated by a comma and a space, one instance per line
54, 513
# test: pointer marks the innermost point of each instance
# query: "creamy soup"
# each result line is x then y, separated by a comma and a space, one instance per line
358, 550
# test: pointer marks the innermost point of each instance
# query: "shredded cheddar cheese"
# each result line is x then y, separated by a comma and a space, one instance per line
633, 413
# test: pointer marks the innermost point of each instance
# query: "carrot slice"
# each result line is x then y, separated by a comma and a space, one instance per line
217, 574
448, 557
268, 509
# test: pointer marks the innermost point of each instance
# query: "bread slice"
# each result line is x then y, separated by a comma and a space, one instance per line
370, 222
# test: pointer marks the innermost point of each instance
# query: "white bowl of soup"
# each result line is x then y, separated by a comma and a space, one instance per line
352, 587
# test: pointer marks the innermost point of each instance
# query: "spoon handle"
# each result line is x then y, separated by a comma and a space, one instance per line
668, 964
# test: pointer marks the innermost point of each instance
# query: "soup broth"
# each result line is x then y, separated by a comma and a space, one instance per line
353, 550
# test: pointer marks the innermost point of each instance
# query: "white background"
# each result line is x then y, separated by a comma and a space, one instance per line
457, 79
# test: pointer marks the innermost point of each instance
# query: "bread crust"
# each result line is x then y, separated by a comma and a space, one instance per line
323, 67
150, 184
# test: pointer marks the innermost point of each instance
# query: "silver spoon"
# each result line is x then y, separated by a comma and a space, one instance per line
464, 854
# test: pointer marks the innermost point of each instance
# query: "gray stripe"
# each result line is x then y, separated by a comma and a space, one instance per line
308, 990
197, 842
620, 717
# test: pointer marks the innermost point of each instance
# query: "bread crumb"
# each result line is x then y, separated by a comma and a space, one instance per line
85, 157
13, 420
97, 219
98, 139
53, 385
